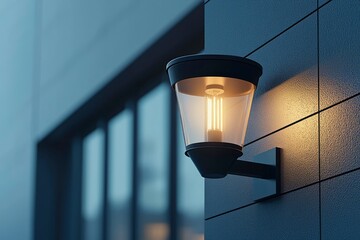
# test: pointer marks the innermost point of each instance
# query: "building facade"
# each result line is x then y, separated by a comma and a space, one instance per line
91, 144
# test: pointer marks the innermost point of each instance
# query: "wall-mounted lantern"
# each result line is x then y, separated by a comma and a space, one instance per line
214, 94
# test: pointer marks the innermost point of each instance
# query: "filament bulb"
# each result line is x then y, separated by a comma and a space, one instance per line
214, 112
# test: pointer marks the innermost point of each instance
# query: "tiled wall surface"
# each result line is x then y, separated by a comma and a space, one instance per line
54, 55
307, 103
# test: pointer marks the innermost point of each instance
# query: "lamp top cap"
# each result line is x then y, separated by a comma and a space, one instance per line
213, 57
200, 65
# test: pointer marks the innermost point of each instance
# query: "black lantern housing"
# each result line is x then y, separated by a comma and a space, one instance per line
215, 94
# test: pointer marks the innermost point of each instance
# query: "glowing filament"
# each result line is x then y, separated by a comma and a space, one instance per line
214, 113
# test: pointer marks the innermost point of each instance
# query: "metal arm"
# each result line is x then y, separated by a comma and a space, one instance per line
255, 170
265, 171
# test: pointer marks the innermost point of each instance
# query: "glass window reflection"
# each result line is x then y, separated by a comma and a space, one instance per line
153, 146
92, 190
190, 195
120, 176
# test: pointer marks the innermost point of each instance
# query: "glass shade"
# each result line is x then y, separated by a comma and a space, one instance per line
214, 93
214, 109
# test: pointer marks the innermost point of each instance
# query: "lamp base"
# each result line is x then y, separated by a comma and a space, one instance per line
213, 159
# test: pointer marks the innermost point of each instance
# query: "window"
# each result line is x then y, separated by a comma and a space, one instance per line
124, 180
153, 165
92, 189
120, 176
190, 190
145, 196
110, 170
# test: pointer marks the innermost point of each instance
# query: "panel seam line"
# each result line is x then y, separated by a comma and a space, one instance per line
319, 133
285, 193
285, 30
301, 119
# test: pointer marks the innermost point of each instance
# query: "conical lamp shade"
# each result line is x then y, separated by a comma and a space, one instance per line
214, 94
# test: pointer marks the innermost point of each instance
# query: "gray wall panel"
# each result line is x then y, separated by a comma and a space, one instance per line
299, 167
339, 26
340, 138
322, 2
239, 27
292, 216
288, 92
340, 199
288, 89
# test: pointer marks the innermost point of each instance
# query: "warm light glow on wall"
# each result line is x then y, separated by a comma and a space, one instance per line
283, 104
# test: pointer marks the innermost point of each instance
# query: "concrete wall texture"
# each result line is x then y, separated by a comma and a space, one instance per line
308, 104
54, 55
